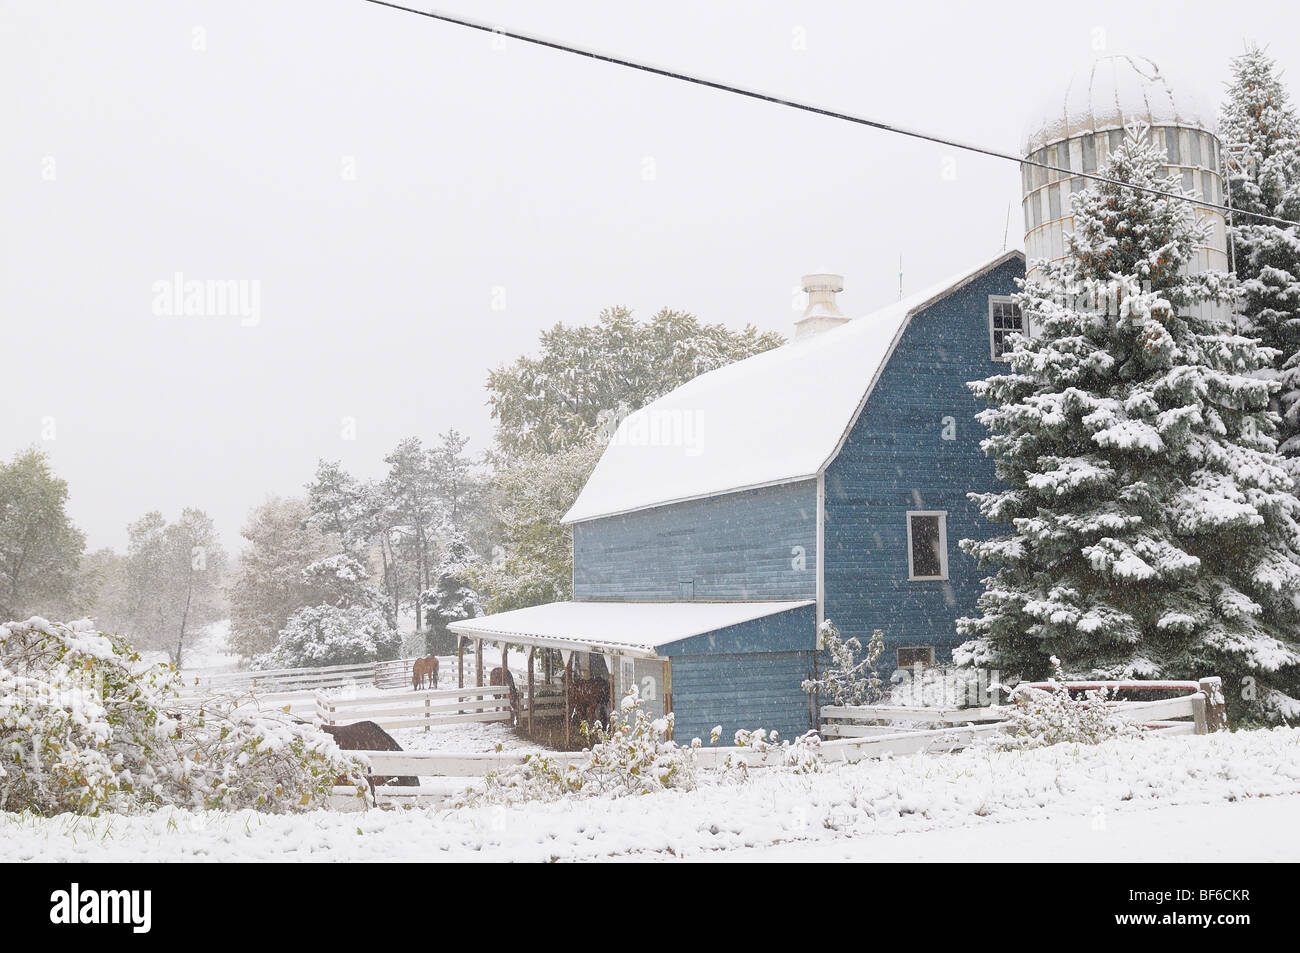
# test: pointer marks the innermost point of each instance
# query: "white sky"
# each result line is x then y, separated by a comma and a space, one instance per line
476, 170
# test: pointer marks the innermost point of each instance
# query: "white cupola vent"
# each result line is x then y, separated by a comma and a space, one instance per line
822, 312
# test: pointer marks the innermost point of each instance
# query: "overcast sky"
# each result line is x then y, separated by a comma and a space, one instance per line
413, 205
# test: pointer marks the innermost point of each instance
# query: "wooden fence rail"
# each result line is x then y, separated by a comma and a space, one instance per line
1203, 706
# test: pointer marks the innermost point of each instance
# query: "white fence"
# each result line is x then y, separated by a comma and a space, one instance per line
285, 679
443, 776
423, 709
1197, 712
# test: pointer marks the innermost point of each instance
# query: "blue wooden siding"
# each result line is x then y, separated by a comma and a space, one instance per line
744, 676
734, 546
895, 460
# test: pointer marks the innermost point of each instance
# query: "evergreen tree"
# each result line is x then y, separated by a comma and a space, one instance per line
1259, 123
1153, 527
451, 598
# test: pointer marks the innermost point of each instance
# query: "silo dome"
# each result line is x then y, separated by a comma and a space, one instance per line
1078, 125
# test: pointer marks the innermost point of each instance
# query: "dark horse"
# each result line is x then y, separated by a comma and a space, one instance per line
502, 676
367, 736
589, 699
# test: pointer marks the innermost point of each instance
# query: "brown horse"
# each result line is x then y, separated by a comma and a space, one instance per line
589, 699
502, 676
367, 736
424, 669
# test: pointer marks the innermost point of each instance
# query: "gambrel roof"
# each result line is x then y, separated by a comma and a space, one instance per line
777, 417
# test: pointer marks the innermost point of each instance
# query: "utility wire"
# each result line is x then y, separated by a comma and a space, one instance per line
820, 111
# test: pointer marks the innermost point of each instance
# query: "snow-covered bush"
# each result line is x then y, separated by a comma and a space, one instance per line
1051, 716
803, 755
352, 623
331, 635
850, 680
941, 686
634, 755
236, 757
87, 726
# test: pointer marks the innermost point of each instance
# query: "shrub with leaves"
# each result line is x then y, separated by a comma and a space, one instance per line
850, 680
87, 726
803, 755
633, 755
1050, 716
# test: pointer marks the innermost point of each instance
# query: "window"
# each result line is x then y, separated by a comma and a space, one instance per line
1194, 140
927, 544
1054, 202
1207, 187
1004, 320
1189, 181
1089, 154
910, 656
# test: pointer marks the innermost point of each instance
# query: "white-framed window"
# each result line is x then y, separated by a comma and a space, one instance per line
1005, 320
927, 544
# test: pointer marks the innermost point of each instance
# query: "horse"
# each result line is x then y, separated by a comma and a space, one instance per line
367, 736
502, 676
589, 698
424, 669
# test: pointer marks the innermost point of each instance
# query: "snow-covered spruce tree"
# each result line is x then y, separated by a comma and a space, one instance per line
1259, 123
1153, 528
451, 598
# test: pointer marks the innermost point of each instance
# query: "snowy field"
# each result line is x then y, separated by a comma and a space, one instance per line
1167, 798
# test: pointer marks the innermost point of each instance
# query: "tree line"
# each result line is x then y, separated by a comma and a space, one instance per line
353, 569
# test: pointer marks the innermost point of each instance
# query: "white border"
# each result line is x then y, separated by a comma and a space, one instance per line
1024, 325
943, 544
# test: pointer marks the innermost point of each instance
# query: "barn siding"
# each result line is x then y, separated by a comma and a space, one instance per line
894, 460
744, 676
734, 546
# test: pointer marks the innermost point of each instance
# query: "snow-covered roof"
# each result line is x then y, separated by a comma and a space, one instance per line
624, 628
777, 417
1112, 91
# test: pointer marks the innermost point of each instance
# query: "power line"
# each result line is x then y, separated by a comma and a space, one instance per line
817, 110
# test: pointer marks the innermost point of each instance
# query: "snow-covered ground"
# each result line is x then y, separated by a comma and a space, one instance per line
1126, 799
1252, 829
205, 654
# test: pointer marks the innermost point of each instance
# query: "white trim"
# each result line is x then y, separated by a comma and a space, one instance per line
805, 478
1024, 325
943, 545
821, 550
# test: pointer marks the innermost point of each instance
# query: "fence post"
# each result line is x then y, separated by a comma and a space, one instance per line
1216, 709
1198, 713
427, 713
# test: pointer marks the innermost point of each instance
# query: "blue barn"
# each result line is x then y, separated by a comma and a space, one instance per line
824, 479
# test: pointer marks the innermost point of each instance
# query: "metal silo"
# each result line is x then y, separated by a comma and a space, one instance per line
1078, 127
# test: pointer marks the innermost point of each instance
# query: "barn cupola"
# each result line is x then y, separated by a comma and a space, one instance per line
822, 313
